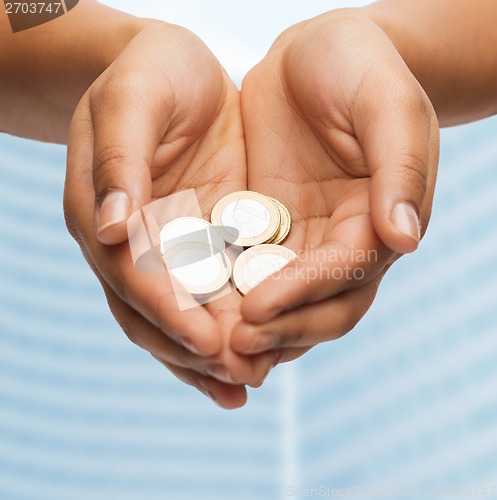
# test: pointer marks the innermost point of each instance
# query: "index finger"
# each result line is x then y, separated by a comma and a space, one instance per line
350, 255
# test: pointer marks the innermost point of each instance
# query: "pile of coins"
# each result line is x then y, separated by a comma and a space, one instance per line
247, 219
195, 251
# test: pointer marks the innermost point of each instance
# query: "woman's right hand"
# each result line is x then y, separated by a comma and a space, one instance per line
164, 117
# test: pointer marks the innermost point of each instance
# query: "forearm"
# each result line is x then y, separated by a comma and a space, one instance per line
451, 48
46, 70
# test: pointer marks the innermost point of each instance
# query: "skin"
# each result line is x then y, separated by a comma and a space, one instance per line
184, 135
337, 121
340, 148
333, 122
175, 136
47, 69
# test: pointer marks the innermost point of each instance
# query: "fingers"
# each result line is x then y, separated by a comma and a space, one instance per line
129, 122
398, 131
233, 368
170, 348
226, 396
119, 143
306, 326
127, 133
165, 87
402, 153
198, 371
150, 294
374, 117
169, 345
350, 256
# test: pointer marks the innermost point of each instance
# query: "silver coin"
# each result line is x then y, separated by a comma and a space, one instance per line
246, 218
198, 268
190, 230
193, 252
258, 263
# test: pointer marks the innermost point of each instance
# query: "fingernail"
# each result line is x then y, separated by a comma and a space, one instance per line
113, 210
220, 373
406, 220
263, 342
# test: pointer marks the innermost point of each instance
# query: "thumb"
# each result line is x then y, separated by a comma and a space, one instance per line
126, 137
401, 143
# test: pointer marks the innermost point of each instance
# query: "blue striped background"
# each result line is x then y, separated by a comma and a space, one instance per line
408, 399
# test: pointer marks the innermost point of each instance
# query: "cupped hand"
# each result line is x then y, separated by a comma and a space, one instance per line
164, 117
339, 130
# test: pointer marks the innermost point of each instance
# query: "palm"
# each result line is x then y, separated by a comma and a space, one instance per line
200, 145
327, 192
323, 179
214, 165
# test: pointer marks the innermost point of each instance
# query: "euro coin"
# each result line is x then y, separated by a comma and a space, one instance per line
246, 218
201, 271
190, 229
285, 223
258, 263
193, 252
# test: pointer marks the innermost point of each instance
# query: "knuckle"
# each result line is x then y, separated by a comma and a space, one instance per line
410, 172
409, 96
74, 228
413, 170
109, 164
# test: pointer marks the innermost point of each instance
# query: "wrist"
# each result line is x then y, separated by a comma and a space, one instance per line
450, 46
403, 37
48, 68
407, 39
92, 40
117, 38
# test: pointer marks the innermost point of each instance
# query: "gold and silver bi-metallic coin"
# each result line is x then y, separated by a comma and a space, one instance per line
194, 250
258, 263
246, 218
285, 223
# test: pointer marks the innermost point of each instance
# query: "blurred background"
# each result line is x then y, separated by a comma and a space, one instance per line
407, 401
